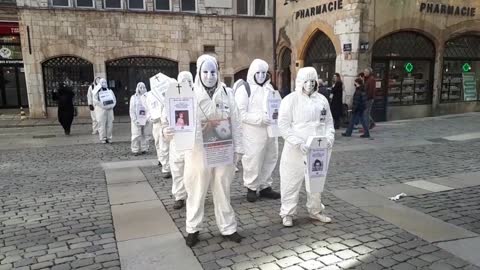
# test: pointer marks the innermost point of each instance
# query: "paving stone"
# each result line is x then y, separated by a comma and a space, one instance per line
283, 254
311, 265
346, 254
308, 256
404, 266
329, 259
289, 261
269, 266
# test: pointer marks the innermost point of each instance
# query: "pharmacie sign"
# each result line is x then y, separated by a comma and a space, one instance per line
436, 8
320, 9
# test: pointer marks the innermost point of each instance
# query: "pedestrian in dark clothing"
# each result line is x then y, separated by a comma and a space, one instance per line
336, 105
358, 110
323, 89
66, 110
370, 86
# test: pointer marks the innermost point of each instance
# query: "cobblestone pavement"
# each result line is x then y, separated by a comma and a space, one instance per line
356, 239
54, 208
55, 213
357, 169
459, 206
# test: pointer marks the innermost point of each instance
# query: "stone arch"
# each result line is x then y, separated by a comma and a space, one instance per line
311, 32
430, 30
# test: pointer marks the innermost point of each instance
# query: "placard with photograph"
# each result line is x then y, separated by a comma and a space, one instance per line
217, 142
273, 106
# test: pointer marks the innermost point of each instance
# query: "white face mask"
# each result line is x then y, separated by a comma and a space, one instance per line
260, 77
209, 74
186, 80
309, 86
142, 89
104, 84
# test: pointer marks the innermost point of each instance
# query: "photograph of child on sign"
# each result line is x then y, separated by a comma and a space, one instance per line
317, 166
217, 130
182, 118
275, 114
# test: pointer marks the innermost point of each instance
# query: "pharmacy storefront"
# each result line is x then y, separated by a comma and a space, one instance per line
424, 55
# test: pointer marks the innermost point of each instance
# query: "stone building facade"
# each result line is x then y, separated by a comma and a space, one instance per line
129, 45
425, 54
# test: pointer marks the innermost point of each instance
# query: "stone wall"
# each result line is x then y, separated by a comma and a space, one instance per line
99, 36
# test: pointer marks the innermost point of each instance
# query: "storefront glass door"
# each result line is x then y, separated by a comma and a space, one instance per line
13, 92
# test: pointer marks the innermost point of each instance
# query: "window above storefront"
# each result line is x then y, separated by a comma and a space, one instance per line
404, 45
461, 70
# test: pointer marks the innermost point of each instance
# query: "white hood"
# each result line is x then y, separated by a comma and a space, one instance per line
304, 74
256, 66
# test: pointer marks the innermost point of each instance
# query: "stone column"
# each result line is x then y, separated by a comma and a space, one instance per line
437, 78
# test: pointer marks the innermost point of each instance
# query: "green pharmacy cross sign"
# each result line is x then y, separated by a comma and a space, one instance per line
466, 67
409, 67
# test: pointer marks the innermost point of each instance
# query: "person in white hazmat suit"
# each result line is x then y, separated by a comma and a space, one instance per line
155, 101
261, 151
140, 125
214, 101
177, 158
104, 102
91, 106
299, 111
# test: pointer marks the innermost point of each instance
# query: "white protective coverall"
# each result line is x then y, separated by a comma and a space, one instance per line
177, 158
90, 101
104, 102
141, 132
298, 113
261, 151
198, 177
155, 101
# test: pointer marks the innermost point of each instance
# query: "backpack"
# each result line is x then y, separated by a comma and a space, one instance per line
238, 84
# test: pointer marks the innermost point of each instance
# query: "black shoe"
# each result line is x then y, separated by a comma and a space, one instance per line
269, 193
179, 204
192, 239
67, 132
346, 135
251, 195
108, 141
364, 136
144, 152
159, 164
136, 154
234, 237
166, 175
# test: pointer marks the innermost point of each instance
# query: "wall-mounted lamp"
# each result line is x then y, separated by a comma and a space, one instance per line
288, 1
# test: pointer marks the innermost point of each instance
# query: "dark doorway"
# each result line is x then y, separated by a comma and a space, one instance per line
13, 91
285, 85
124, 74
321, 55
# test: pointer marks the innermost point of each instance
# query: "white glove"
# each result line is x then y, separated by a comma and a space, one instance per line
236, 158
304, 148
168, 133
329, 144
266, 121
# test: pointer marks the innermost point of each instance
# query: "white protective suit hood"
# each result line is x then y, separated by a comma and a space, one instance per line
141, 89
305, 74
201, 61
98, 86
185, 76
258, 65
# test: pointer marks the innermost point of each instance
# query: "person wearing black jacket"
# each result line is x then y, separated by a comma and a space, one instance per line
358, 108
66, 110
336, 106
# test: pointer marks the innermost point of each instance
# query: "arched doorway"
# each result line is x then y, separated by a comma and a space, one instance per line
403, 65
285, 85
461, 69
77, 72
124, 74
321, 55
